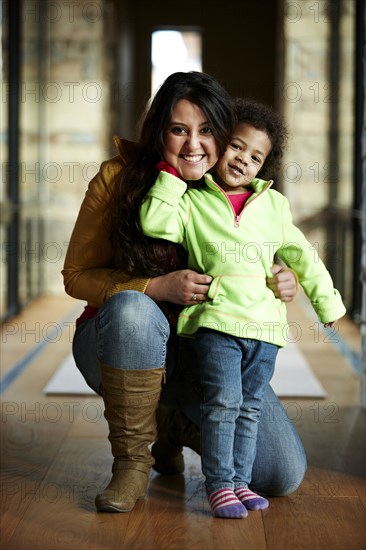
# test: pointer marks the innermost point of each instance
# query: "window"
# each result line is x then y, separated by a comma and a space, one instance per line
174, 50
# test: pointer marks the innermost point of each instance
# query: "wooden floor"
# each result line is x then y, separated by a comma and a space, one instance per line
55, 457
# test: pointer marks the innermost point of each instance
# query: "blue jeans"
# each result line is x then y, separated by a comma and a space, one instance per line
131, 332
128, 332
234, 373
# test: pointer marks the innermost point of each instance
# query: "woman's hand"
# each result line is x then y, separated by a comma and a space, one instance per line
180, 287
184, 287
283, 283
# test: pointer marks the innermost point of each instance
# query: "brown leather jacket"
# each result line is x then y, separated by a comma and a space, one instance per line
89, 273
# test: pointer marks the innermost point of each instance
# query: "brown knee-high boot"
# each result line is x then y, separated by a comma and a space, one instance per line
130, 398
175, 431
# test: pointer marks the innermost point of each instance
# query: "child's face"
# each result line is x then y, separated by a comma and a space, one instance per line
243, 158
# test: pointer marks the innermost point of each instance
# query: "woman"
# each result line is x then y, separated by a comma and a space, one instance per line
134, 286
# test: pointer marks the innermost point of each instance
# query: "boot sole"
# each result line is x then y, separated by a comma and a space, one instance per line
112, 508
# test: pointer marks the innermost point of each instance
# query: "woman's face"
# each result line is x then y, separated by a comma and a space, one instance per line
189, 144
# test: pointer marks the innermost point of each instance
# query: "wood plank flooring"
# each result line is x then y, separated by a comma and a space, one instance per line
55, 458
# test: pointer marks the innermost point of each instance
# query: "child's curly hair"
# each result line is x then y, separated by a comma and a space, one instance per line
264, 118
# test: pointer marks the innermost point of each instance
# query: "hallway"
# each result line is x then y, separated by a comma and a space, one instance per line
75, 74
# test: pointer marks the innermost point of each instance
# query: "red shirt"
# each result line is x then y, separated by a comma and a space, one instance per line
238, 200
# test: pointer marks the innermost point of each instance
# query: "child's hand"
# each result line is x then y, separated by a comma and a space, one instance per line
164, 166
330, 325
283, 283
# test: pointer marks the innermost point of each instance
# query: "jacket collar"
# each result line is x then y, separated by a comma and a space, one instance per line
125, 148
257, 184
261, 185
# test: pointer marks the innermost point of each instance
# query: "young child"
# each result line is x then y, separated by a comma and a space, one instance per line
232, 224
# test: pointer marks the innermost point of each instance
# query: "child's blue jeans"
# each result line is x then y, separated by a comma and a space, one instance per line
235, 373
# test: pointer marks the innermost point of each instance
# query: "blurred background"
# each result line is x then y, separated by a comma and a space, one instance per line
76, 73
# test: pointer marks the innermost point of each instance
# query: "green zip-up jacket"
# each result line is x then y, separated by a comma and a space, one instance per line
238, 252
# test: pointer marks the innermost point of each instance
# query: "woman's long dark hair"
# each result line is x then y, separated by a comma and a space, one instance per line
137, 254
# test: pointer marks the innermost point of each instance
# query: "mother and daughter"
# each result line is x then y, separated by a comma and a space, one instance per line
144, 245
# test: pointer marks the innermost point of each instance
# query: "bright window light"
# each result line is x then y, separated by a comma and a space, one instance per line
173, 51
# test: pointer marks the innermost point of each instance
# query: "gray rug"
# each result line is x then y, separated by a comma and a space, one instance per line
293, 377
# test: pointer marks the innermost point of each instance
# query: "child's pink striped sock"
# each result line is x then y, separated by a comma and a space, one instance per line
251, 500
224, 504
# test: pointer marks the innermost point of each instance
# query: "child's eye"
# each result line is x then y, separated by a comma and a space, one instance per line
235, 146
178, 130
257, 160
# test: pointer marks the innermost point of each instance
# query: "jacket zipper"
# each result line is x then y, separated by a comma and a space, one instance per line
238, 216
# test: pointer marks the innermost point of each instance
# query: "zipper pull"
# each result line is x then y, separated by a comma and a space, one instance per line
236, 221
